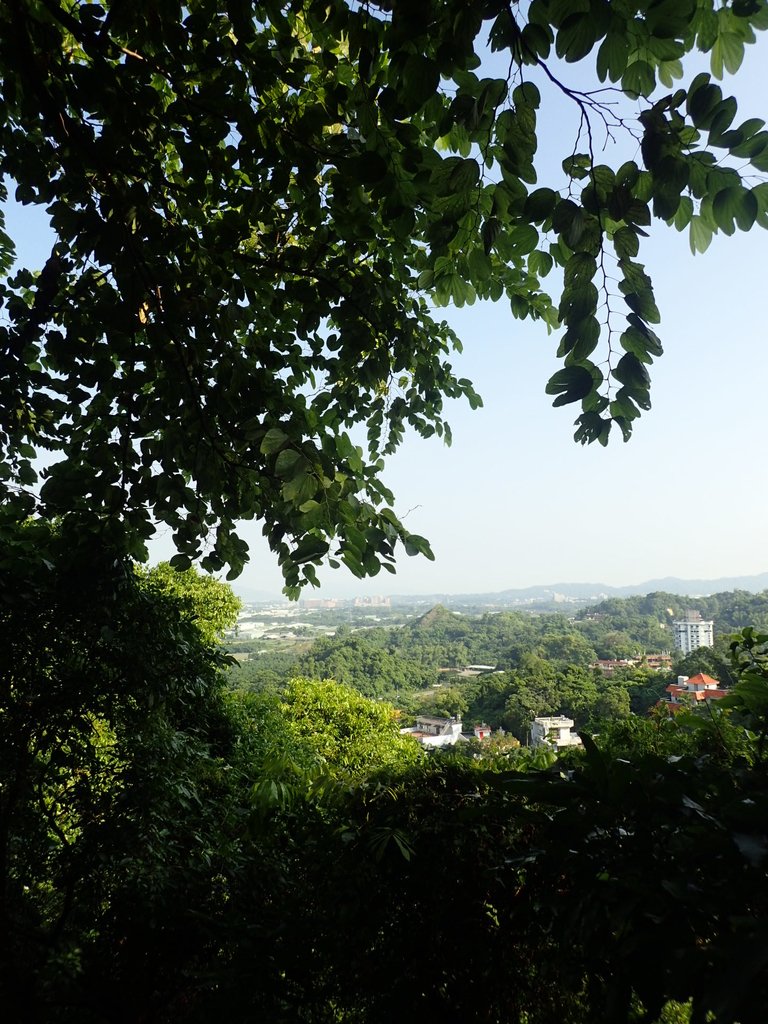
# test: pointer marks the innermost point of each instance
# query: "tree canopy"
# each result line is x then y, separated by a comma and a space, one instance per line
256, 208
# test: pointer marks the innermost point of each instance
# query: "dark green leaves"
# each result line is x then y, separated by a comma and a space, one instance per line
626, 243
419, 81
612, 56
631, 372
253, 205
638, 79
273, 441
735, 207
540, 204
576, 36
703, 101
571, 384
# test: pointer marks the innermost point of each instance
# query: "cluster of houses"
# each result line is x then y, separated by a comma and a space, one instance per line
656, 662
429, 731
556, 731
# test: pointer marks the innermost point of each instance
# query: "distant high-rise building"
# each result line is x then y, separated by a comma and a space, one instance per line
372, 602
693, 632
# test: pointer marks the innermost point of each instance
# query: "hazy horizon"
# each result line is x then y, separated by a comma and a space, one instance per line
347, 593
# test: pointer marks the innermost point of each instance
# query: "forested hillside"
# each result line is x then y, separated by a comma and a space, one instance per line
534, 663
191, 852
730, 610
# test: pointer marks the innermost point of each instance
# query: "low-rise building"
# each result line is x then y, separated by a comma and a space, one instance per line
658, 662
435, 732
554, 731
693, 691
609, 665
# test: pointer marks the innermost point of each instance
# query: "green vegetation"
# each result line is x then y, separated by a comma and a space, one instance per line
540, 664
173, 849
255, 208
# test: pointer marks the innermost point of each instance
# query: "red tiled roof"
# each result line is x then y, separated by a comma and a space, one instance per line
703, 678
676, 692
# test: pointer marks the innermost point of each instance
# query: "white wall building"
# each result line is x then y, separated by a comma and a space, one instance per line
553, 731
693, 632
435, 732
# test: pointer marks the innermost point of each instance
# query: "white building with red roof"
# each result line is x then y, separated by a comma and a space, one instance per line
693, 691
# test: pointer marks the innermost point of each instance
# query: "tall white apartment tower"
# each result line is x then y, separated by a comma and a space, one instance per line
692, 632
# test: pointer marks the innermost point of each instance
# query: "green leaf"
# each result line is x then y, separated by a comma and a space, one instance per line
416, 545
592, 427
464, 176
747, 210
728, 53
639, 79
301, 487
760, 192
700, 234
734, 205
286, 462
527, 94
535, 42
580, 269
669, 19
577, 166
626, 243
612, 57
420, 81
273, 441
631, 372
540, 204
721, 118
575, 37
522, 239
652, 342
684, 213
310, 549
570, 384
578, 302
369, 168
489, 233
480, 267
540, 263
582, 339
703, 101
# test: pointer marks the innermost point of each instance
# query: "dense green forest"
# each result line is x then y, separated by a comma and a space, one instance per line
182, 850
540, 663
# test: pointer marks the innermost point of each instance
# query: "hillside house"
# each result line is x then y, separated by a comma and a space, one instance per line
435, 732
554, 731
693, 691
609, 665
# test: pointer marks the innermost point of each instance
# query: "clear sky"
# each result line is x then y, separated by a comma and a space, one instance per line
515, 501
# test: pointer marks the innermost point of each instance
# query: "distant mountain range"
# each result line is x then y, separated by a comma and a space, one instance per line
568, 591
600, 591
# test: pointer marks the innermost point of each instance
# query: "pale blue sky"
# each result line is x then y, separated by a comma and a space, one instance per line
516, 502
